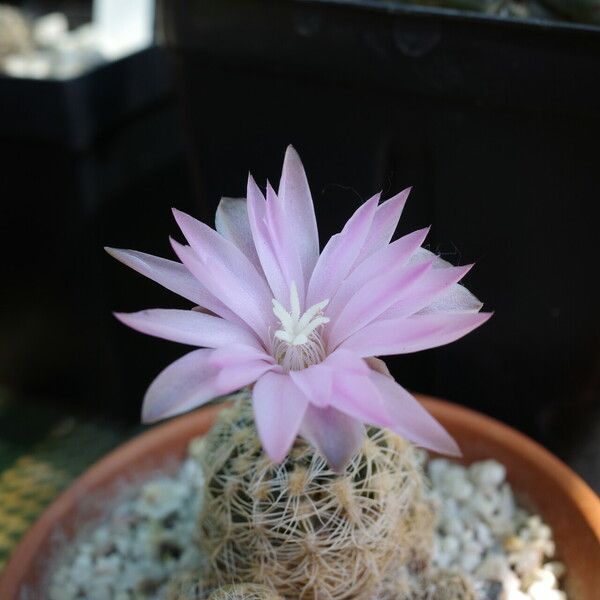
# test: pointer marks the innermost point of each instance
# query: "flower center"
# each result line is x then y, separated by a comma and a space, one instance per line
298, 344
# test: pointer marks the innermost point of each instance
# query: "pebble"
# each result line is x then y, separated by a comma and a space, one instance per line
506, 551
138, 545
481, 531
45, 47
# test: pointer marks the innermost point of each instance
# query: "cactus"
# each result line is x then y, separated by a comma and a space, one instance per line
430, 584
192, 585
244, 591
301, 528
442, 584
189, 585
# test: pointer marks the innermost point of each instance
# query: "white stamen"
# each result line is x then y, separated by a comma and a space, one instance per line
300, 344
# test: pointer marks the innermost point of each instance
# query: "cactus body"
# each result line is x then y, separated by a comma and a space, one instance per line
189, 585
244, 591
299, 527
430, 584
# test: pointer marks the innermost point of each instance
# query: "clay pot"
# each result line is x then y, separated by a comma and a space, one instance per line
563, 499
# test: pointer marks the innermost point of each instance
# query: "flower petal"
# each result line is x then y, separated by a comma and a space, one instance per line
456, 298
237, 376
411, 420
396, 254
384, 224
433, 285
315, 382
358, 397
172, 275
257, 211
239, 365
243, 294
185, 384
279, 407
233, 354
231, 221
188, 327
334, 434
377, 365
281, 230
340, 253
297, 203
375, 298
412, 334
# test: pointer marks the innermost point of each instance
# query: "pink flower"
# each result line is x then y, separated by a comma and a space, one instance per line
303, 327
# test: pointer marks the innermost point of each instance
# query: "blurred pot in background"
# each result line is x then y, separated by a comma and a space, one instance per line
86, 157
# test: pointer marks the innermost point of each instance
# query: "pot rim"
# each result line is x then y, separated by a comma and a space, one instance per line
454, 417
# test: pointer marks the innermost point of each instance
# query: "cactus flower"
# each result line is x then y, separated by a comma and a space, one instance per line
303, 327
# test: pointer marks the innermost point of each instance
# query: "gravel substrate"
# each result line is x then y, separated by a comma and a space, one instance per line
505, 550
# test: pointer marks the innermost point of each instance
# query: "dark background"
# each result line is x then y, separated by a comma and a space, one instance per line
496, 124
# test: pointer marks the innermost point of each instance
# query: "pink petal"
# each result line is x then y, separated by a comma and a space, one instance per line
281, 230
353, 392
397, 254
384, 224
257, 211
172, 275
375, 298
377, 365
279, 407
234, 354
188, 327
213, 248
348, 361
237, 376
456, 298
185, 384
358, 397
411, 420
315, 382
433, 285
412, 334
335, 435
231, 221
239, 365
297, 203
242, 293
340, 254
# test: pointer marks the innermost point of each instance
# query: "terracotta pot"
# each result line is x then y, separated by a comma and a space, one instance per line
564, 500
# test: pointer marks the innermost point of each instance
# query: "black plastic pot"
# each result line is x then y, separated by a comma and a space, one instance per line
494, 122
87, 162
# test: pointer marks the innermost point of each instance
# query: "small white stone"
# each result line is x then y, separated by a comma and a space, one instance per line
49, 29
436, 468
34, 65
487, 473
540, 591
556, 568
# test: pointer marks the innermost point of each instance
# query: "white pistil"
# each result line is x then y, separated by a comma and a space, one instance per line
300, 344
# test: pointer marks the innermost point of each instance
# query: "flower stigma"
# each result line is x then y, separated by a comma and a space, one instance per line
298, 344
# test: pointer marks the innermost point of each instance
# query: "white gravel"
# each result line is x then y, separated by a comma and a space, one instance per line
506, 551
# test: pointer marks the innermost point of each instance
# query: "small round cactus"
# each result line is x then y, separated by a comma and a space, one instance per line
244, 591
189, 585
431, 584
444, 584
299, 527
